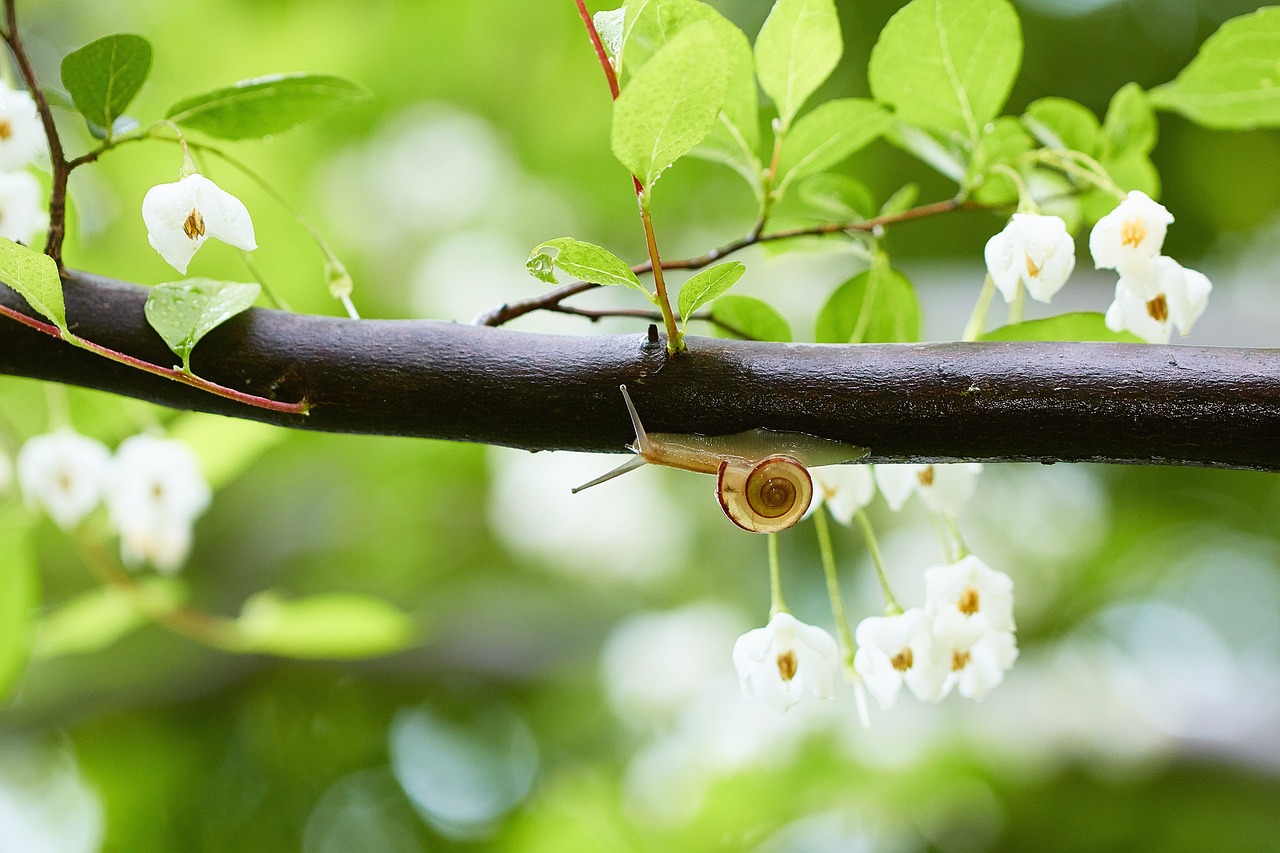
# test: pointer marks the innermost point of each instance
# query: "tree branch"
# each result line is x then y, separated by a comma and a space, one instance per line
1042, 402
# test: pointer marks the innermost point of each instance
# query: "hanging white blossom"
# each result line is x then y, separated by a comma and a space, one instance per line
182, 215
21, 133
1033, 251
1131, 233
779, 662
943, 488
22, 212
898, 650
977, 655
154, 494
1156, 297
966, 590
61, 473
845, 489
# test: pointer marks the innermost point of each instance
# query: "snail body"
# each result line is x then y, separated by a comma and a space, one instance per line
762, 477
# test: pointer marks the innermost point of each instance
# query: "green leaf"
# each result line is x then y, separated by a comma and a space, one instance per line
104, 76
96, 619
1130, 125
901, 201
671, 104
755, 319
183, 312
1002, 142
827, 135
1131, 171
798, 47
1077, 326
19, 598
947, 65
929, 149
736, 134
875, 306
839, 196
1063, 123
1234, 81
586, 261
35, 276
262, 106
337, 625
708, 285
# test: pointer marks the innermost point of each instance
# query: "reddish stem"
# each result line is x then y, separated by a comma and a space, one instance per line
609, 73
168, 372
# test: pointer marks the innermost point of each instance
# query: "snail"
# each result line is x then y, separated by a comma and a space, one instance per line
762, 476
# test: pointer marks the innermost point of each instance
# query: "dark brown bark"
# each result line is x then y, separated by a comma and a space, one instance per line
1045, 402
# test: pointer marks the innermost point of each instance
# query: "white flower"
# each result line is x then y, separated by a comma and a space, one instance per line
778, 662
1154, 297
21, 133
1032, 250
977, 655
154, 493
943, 488
968, 590
845, 489
1132, 233
181, 215
61, 473
22, 211
897, 650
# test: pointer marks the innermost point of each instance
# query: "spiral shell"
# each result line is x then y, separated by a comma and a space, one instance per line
764, 496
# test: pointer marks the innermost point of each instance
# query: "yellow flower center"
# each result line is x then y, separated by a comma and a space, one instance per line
787, 665
1132, 233
926, 476
903, 660
1158, 308
959, 660
968, 602
194, 226
6, 130
1032, 270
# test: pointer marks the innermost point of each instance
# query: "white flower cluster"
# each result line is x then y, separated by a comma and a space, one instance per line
152, 488
962, 638
22, 212
1155, 293
182, 215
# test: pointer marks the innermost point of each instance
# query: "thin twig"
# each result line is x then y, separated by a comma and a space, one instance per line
509, 311
175, 374
57, 159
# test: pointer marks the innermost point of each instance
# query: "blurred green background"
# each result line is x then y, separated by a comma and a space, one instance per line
574, 691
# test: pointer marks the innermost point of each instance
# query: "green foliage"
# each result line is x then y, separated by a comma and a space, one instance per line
19, 598
255, 108
736, 134
586, 261
839, 196
1231, 83
902, 200
707, 285
827, 135
104, 76
96, 619
875, 306
1076, 326
947, 65
1124, 147
35, 277
323, 626
225, 447
671, 104
752, 318
1062, 123
183, 312
798, 47
1002, 142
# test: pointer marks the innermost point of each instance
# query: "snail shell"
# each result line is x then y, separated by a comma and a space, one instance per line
765, 496
761, 478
